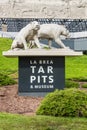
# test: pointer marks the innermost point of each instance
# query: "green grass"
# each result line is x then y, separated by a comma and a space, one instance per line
84, 85
18, 122
6, 80
71, 84
76, 68
7, 65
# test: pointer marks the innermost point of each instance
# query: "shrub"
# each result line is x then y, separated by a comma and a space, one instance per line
84, 85
71, 84
68, 103
6, 80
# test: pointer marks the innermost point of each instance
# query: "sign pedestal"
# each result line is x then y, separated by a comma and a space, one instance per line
41, 71
40, 75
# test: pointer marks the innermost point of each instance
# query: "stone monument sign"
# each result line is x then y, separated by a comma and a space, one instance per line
41, 69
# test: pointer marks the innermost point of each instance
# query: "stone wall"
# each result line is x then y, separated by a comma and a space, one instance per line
73, 9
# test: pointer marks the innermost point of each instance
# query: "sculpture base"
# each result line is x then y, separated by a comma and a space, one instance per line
41, 52
41, 71
41, 75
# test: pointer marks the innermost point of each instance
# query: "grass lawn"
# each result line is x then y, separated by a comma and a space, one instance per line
7, 65
18, 122
76, 67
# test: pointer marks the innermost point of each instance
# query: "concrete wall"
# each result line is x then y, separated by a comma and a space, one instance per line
43, 8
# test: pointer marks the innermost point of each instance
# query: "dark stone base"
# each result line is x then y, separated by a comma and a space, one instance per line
41, 75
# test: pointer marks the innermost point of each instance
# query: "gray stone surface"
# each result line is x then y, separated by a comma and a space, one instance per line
41, 52
43, 8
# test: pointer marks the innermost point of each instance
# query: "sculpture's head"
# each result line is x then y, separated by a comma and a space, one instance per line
65, 32
35, 25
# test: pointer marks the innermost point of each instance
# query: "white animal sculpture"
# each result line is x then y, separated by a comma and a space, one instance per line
27, 33
53, 32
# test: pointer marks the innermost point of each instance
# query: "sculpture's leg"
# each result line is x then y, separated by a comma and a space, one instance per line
32, 44
60, 43
37, 42
25, 44
50, 43
14, 45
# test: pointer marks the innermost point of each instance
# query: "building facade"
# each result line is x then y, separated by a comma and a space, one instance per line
70, 9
